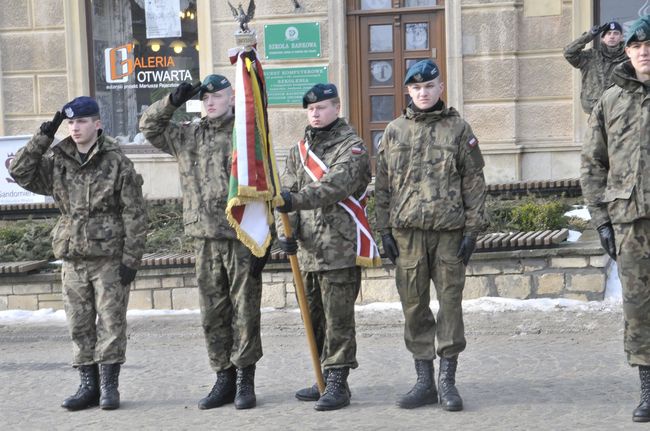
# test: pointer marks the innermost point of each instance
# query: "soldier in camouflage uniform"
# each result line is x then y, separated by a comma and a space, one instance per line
100, 236
228, 275
596, 64
429, 202
327, 236
616, 187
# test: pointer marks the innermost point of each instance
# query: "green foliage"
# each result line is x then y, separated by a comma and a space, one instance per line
165, 232
530, 214
26, 240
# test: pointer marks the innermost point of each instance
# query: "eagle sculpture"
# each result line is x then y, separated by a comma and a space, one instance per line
243, 18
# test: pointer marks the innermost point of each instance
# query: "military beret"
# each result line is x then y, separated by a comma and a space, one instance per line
612, 25
212, 84
318, 93
422, 71
638, 31
78, 107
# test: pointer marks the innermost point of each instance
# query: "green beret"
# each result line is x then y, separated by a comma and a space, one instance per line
638, 31
212, 84
422, 71
318, 93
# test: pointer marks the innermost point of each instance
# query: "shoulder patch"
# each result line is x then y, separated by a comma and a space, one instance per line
358, 150
473, 142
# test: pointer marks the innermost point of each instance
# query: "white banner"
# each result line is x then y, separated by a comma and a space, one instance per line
10, 192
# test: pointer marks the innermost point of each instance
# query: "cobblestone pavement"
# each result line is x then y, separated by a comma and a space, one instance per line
522, 370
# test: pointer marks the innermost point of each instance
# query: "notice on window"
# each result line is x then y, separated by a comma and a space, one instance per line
10, 192
163, 18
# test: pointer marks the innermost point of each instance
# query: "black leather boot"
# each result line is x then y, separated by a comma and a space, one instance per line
109, 381
245, 395
311, 393
88, 393
223, 391
449, 397
642, 412
336, 393
424, 391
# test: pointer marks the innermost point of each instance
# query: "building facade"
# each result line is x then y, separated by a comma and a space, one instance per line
501, 62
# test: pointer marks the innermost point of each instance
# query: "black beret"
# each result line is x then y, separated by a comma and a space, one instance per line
318, 93
613, 25
422, 71
83, 106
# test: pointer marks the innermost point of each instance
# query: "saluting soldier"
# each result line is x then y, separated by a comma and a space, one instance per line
100, 236
616, 187
597, 63
228, 274
325, 181
430, 206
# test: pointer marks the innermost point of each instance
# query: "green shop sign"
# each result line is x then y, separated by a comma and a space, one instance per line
286, 86
288, 41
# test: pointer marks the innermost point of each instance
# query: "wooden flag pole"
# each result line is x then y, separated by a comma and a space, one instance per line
304, 307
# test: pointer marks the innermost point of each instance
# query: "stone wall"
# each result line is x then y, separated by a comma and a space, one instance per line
571, 271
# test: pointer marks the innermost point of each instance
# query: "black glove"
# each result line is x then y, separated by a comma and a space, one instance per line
467, 246
258, 263
606, 233
49, 128
390, 247
127, 275
184, 92
288, 205
288, 245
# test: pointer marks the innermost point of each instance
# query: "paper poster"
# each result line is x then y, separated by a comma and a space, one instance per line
162, 18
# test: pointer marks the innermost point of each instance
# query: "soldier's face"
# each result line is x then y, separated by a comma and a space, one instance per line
639, 53
323, 113
425, 94
612, 38
218, 103
83, 131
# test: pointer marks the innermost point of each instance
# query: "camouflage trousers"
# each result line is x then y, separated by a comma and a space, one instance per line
331, 296
633, 259
426, 256
230, 300
95, 304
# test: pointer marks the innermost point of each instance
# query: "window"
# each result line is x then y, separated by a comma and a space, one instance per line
141, 50
623, 12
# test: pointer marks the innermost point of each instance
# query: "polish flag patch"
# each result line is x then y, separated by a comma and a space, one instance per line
473, 142
357, 150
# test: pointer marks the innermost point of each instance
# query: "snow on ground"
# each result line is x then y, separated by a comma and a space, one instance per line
579, 211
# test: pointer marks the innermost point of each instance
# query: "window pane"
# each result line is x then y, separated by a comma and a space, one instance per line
375, 4
417, 36
139, 56
412, 61
381, 38
376, 139
381, 72
420, 3
382, 108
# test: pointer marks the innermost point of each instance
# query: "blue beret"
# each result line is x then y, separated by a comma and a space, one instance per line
638, 31
83, 106
422, 71
612, 25
318, 93
212, 84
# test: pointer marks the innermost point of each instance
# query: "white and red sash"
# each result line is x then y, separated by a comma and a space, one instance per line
367, 251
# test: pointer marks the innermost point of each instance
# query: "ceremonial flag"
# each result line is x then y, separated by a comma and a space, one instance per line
254, 184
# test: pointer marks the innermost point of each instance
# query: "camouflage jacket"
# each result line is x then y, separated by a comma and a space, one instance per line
102, 209
615, 171
203, 151
327, 233
596, 66
430, 174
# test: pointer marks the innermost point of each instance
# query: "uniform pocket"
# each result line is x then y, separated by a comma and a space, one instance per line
412, 278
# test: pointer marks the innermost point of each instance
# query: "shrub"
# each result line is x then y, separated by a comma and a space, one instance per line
26, 240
